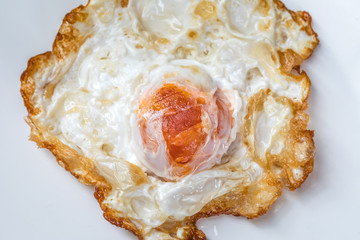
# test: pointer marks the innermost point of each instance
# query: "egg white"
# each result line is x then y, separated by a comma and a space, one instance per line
93, 107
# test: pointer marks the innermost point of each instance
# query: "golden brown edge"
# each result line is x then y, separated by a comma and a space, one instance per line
67, 41
290, 58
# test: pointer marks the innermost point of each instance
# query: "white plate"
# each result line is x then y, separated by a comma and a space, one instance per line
39, 200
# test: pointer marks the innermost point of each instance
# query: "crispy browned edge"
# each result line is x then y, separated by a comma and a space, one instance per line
289, 59
67, 41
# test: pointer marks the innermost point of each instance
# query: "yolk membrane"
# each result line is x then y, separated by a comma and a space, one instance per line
184, 118
182, 125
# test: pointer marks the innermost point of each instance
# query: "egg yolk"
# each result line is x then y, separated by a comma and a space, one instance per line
189, 121
182, 125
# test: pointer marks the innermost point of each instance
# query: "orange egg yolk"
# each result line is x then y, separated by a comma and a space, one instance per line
187, 118
182, 126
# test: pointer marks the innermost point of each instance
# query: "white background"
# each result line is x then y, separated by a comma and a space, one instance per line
40, 200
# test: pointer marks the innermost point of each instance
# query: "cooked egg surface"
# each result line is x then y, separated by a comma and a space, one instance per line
164, 87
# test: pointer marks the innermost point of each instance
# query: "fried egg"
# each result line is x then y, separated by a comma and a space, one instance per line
176, 110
